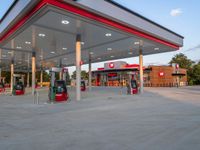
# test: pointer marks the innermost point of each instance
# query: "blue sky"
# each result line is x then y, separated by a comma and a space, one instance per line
4, 6
184, 20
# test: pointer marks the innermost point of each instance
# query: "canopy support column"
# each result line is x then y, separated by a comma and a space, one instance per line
12, 67
28, 73
33, 59
141, 67
78, 67
90, 72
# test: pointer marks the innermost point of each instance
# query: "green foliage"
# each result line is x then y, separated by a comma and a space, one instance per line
84, 75
182, 60
193, 70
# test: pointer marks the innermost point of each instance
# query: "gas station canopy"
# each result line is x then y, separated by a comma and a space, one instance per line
108, 31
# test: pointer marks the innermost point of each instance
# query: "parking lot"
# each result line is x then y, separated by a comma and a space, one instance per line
105, 119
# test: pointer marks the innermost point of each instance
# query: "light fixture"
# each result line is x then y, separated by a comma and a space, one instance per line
108, 34
99, 58
130, 53
9, 52
40, 56
64, 48
3, 55
91, 53
41, 35
27, 42
82, 43
19, 47
136, 43
65, 22
112, 56
19, 62
156, 49
65, 58
109, 49
52, 52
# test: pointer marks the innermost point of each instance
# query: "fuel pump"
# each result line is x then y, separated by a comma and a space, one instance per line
83, 86
58, 89
18, 84
2, 86
132, 86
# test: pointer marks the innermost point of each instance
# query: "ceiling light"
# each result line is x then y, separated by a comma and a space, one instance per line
108, 34
27, 42
82, 43
156, 49
65, 58
41, 35
3, 55
41, 56
65, 22
64, 48
9, 52
19, 47
109, 49
136, 43
91, 53
130, 53
19, 62
112, 56
52, 52
99, 58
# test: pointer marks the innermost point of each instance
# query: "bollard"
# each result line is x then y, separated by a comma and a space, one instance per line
36, 97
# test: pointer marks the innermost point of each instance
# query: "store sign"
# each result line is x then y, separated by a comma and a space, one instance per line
114, 65
111, 65
112, 74
161, 74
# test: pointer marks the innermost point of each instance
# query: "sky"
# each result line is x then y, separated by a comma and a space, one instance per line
180, 16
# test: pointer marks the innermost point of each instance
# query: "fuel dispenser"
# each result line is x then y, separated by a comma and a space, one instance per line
58, 89
18, 84
83, 86
132, 86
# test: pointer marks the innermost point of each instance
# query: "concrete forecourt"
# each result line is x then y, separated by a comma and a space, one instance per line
106, 119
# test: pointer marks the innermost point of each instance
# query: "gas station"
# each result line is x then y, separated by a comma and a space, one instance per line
62, 33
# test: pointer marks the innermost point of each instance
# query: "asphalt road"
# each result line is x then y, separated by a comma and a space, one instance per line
106, 119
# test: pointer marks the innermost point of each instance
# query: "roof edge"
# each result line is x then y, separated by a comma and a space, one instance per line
138, 15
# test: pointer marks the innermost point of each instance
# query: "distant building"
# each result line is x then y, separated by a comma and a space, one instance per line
119, 73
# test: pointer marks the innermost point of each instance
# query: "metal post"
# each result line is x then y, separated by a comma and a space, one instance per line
60, 73
90, 72
0, 64
78, 67
41, 77
141, 67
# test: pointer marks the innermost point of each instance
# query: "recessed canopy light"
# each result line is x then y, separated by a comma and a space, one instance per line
3, 55
52, 52
40, 56
19, 62
136, 43
65, 22
27, 42
82, 43
91, 53
130, 53
156, 49
65, 58
109, 49
19, 47
112, 56
108, 34
41, 35
99, 58
64, 48
9, 52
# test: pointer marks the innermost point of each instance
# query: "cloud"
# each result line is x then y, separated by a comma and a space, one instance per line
176, 12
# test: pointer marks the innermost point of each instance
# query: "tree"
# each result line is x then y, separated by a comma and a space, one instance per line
84, 75
196, 74
182, 60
